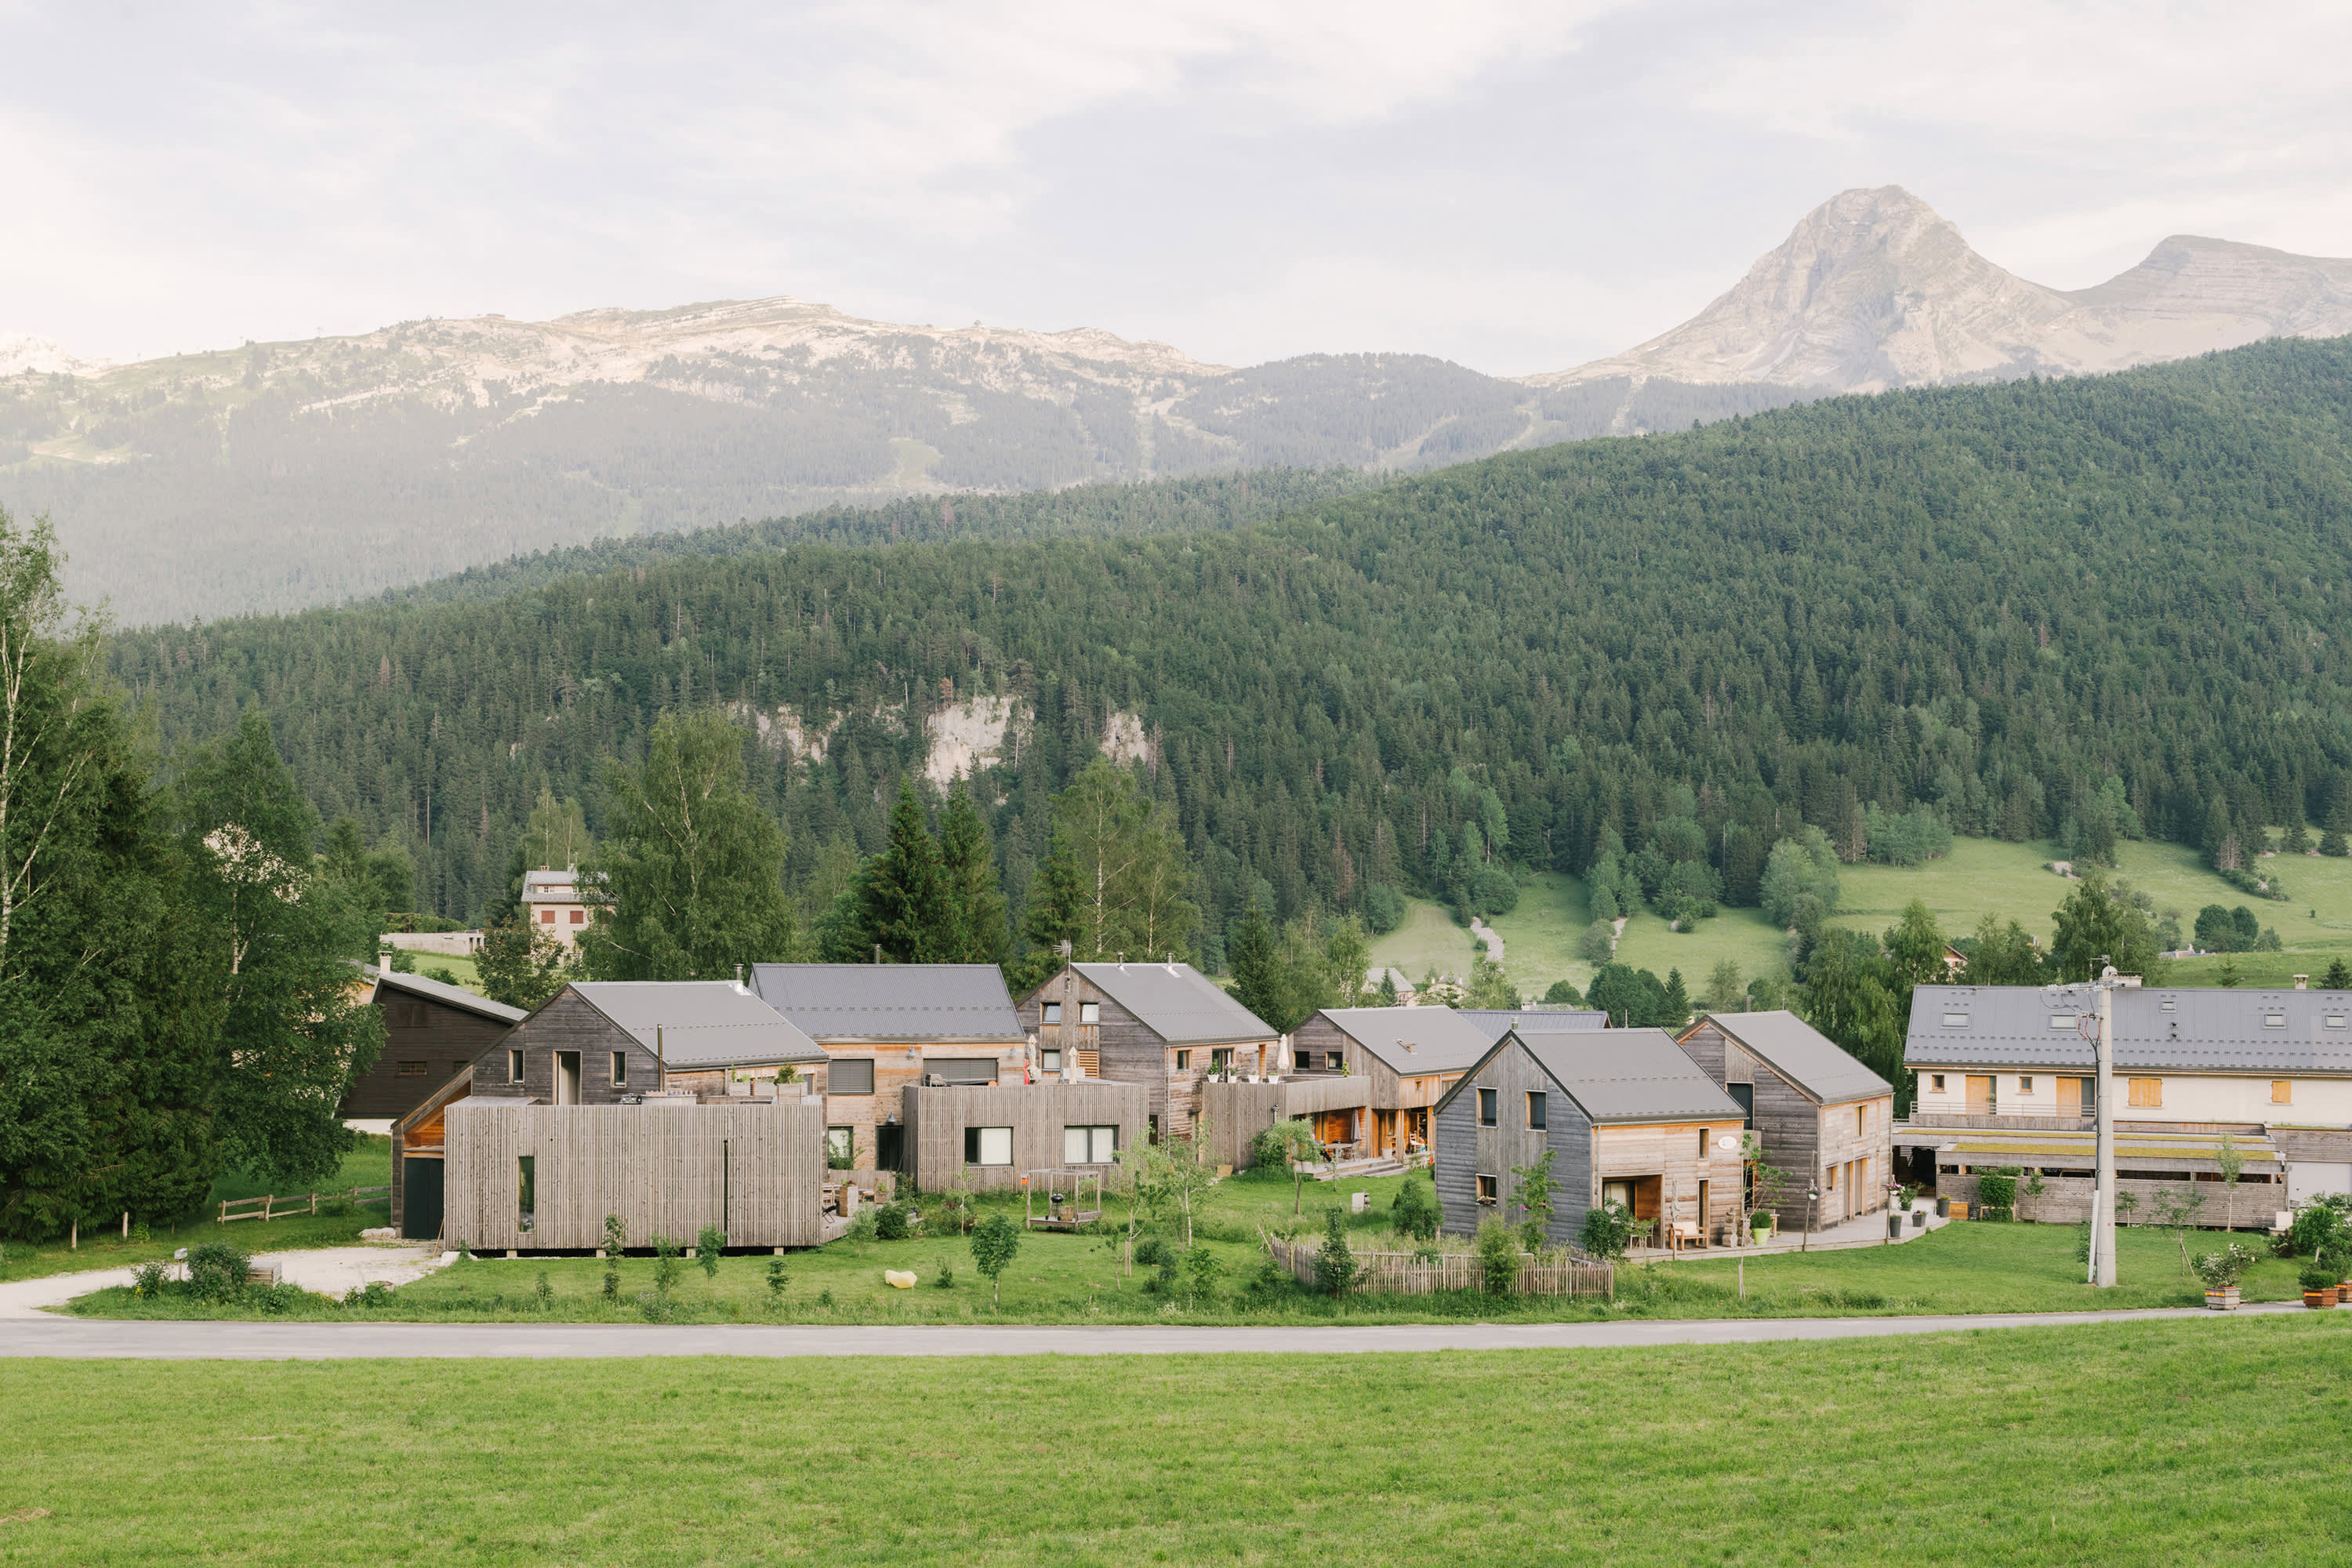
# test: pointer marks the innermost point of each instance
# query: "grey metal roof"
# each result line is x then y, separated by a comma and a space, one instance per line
1803, 1054
699, 1023
1629, 1075
911, 1002
1177, 1003
1412, 1040
1494, 1022
2169, 1029
454, 996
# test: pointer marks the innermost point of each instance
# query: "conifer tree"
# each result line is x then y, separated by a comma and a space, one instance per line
903, 906
1261, 981
967, 868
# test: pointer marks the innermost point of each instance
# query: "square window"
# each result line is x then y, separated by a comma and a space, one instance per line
1485, 1107
849, 1075
547, 917
1935, 1083
988, 1145
1089, 1012
1089, 1145
2148, 1091
1052, 1058
1537, 1112
1485, 1186
514, 1066
1221, 1059
1053, 1012
579, 917
2282, 1091
2025, 1086
620, 1067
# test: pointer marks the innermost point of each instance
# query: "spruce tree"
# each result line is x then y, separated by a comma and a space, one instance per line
1051, 920
1261, 982
968, 868
903, 906
1676, 1010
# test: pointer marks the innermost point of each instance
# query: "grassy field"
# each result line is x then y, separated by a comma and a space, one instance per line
468, 973
2192, 1442
368, 1165
1427, 942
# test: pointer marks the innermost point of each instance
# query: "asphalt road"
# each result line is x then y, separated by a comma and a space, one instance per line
86, 1340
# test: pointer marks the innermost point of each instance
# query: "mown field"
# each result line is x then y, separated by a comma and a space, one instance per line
2200, 1441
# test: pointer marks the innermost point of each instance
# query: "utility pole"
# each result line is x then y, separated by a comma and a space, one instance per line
2102, 1268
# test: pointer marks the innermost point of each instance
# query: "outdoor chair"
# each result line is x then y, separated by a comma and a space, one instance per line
1681, 1234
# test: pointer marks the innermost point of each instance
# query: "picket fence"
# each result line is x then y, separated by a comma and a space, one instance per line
1403, 1274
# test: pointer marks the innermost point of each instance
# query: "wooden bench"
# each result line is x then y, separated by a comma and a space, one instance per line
1683, 1233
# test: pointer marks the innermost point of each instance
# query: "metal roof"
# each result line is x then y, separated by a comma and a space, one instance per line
2032, 1146
546, 887
892, 1002
699, 1023
1801, 1054
452, 995
2170, 1029
1177, 1003
1410, 1040
1623, 1074
1495, 1022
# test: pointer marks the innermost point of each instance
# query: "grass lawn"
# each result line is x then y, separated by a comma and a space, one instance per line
2195, 1442
1539, 936
1428, 941
1743, 936
468, 973
367, 1165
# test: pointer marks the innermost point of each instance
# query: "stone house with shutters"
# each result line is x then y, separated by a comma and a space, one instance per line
1626, 1115
883, 1027
1406, 1059
2006, 1078
432, 1032
552, 903
1165, 1026
1823, 1117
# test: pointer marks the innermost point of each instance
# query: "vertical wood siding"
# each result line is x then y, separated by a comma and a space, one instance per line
936, 1119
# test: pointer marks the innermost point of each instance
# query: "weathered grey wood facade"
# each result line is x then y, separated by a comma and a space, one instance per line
667, 1169
567, 1026
417, 1146
431, 1033
1038, 1115
1171, 1059
1822, 1118
1238, 1112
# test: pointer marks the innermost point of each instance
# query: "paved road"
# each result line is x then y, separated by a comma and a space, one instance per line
83, 1339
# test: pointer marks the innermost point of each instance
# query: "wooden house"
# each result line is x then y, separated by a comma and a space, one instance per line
542, 1178
610, 1042
419, 1144
1165, 1026
432, 1032
1408, 1058
883, 1027
990, 1134
1823, 1117
1626, 1116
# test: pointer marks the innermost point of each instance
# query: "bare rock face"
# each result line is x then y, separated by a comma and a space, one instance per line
1874, 290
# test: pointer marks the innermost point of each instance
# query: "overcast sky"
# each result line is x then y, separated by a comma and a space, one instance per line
1519, 187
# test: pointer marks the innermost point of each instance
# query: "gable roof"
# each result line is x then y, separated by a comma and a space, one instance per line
1821, 1067
1410, 1040
460, 1085
1494, 1021
1617, 1075
543, 886
1177, 1003
911, 1002
698, 1023
446, 994
2181, 1029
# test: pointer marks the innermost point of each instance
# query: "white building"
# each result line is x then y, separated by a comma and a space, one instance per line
551, 901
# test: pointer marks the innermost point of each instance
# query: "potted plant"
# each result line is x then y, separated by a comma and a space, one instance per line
2221, 1271
2318, 1286
1759, 1225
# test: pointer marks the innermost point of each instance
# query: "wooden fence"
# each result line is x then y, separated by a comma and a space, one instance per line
1403, 1274
281, 1208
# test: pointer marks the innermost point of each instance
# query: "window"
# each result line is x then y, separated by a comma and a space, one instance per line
547, 917
514, 1066
579, 917
1053, 1012
2062, 1020
1221, 1059
988, 1145
1089, 1012
1831, 1185
2334, 1020
1089, 1145
2025, 1085
1536, 1110
1183, 1061
1862, 1119
1935, 1083
1052, 1058
2273, 1020
620, 1069
2282, 1091
409, 1070
1956, 1020
1702, 1142
1305, 1061
526, 1188
1745, 1093
963, 1069
2169, 1005
849, 1075
2148, 1091
1485, 1107
840, 1143
1485, 1183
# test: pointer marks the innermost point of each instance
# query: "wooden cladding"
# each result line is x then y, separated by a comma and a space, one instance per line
1038, 1116
754, 1171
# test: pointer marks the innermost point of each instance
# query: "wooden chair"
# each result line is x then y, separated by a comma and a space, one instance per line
1683, 1233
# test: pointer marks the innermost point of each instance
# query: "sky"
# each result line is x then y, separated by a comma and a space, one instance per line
1519, 188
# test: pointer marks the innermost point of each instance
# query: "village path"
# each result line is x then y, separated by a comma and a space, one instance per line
329, 1270
85, 1340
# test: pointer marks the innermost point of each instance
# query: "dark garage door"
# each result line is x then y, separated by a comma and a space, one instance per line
420, 1198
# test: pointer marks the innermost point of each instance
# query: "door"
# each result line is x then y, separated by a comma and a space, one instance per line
1980, 1097
567, 1078
889, 1147
420, 1198
1706, 1232
2070, 1097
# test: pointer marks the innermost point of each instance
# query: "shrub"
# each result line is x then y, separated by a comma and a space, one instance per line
2318, 1226
890, 1223
2317, 1277
282, 1298
1150, 1250
616, 1237
1203, 1267
1598, 942
216, 1270
1414, 1213
545, 1292
666, 1267
995, 1242
779, 1275
866, 1227
1608, 1231
708, 1246
1334, 1264
374, 1293
944, 1280
1498, 1257
148, 1278
2221, 1269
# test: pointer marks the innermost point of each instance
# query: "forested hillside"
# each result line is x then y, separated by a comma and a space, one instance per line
1991, 600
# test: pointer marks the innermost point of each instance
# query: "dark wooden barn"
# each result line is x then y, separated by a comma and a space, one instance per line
431, 1033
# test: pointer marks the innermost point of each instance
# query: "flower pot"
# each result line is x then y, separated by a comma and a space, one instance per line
1760, 1236
2316, 1299
1894, 1227
1943, 1208
2222, 1300
1918, 1219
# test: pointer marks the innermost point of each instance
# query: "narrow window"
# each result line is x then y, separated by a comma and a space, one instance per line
1183, 1061
409, 1070
988, 1145
1861, 1125
2062, 1020
2148, 1092
1831, 1183
2282, 1091
1536, 1112
1956, 1020
1053, 1012
514, 1066
2334, 1020
1485, 1107
1485, 1189
1089, 1012
620, 1069
1702, 1142
526, 1188
2168, 1004
1221, 1059
1935, 1082
850, 1075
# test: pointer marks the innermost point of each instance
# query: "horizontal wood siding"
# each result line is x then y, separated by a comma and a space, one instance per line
937, 1117
1670, 1152
418, 1029
1466, 1151
666, 1170
1128, 1050
1788, 1125
1455, 1150
566, 1023
1238, 1112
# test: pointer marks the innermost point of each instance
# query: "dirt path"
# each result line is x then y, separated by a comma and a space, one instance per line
331, 1269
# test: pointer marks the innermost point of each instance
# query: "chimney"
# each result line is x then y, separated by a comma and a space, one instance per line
2303, 982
